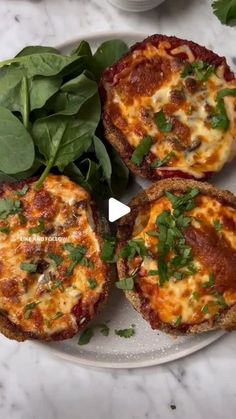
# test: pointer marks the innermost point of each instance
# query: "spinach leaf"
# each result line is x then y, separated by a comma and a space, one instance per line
103, 157
36, 49
40, 89
92, 173
73, 95
45, 64
107, 54
63, 139
73, 171
83, 50
16, 145
6, 178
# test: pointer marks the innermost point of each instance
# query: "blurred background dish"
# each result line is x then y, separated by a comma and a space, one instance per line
136, 5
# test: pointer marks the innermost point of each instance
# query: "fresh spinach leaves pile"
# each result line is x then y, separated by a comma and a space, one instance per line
50, 117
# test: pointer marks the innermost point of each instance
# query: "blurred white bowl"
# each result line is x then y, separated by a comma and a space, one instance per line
136, 5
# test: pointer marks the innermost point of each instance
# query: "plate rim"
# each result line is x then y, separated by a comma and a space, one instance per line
131, 364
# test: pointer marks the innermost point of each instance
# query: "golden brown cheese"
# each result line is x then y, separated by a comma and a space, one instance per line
153, 82
187, 299
62, 294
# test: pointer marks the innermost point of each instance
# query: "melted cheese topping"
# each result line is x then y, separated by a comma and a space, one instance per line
177, 299
152, 82
51, 300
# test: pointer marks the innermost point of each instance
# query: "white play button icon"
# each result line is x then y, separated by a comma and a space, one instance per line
116, 210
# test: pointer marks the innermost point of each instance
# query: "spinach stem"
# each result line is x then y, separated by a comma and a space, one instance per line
44, 174
26, 104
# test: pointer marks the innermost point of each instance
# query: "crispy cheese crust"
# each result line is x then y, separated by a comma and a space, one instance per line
52, 278
200, 294
179, 81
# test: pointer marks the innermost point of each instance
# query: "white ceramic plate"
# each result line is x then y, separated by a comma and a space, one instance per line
147, 347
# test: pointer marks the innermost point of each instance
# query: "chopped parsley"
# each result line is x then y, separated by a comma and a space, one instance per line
57, 284
39, 229
92, 283
23, 191
196, 295
178, 321
134, 248
210, 283
28, 267
218, 225
201, 70
5, 229
104, 329
85, 336
22, 218
163, 123
125, 284
57, 259
220, 300
108, 251
77, 255
141, 150
58, 315
125, 333
163, 162
29, 308
9, 207
205, 309
171, 239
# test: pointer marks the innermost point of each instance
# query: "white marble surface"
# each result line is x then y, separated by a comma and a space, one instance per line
33, 384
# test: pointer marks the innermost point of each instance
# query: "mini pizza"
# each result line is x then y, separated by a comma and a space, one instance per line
52, 277
177, 256
169, 109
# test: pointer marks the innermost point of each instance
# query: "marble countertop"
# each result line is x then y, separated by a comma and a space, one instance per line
34, 384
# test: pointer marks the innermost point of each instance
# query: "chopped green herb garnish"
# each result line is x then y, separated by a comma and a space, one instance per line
125, 333
9, 207
164, 124
23, 191
104, 329
205, 309
5, 229
178, 321
29, 308
125, 284
210, 283
28, 267
57, 315
22, 218
92, 283
57, 259
77, 255
196, 295
39, 229
220, 300
163, 162
200, 69
153, 272
152, 233
217, 224
57, 284
141, 151
134, 248
225, 92
85, 336
108, 251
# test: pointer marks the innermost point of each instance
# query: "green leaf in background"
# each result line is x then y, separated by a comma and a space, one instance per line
73, 95
107, 54
63, 139
76, 175
6, 178
83, 50
36, 49
103, 157
44, 64
225, 10
16, 145
92, 173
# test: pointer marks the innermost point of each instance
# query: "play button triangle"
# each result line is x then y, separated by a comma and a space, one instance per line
116, 209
